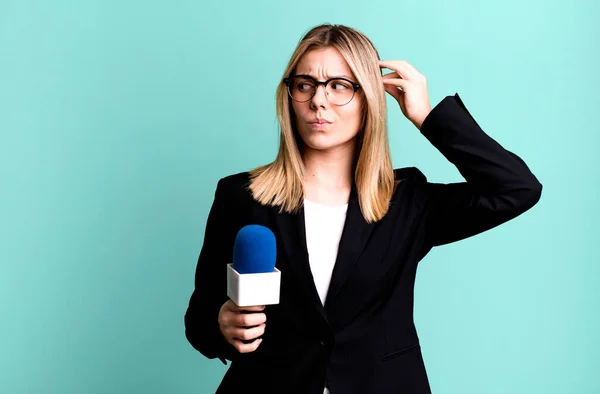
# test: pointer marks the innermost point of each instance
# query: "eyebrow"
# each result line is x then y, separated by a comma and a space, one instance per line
329, 77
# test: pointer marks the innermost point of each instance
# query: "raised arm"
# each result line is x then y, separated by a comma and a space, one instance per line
499, 186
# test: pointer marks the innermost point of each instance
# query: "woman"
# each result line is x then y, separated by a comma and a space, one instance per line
350, 229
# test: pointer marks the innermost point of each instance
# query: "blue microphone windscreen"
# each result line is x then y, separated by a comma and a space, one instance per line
254, 250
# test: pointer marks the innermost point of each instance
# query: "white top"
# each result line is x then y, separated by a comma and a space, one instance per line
324, 225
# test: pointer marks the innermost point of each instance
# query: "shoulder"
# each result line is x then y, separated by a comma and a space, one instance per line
234, 187
412, 174
236, 181
411, 186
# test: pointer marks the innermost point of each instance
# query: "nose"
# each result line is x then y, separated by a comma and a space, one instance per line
320, 97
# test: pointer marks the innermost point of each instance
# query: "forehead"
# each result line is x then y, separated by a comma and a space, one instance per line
325, 62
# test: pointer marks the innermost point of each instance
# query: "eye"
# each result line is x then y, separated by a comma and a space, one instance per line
340, 85
304, 85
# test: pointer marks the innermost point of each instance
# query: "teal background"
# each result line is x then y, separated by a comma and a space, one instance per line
117, 118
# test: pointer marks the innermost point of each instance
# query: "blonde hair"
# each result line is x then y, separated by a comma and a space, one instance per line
280, 183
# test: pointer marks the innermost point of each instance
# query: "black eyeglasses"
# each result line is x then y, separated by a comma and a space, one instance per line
339, 91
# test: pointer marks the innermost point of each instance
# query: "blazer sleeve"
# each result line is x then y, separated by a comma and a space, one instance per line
210, 284
499, 185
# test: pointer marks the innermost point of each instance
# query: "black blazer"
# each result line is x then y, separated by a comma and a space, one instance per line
363, 340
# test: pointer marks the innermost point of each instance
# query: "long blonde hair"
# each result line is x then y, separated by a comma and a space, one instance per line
280, 183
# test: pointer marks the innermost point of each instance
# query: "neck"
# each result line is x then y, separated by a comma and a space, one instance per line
329, 174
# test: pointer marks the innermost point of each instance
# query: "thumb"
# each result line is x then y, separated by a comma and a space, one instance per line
231, 305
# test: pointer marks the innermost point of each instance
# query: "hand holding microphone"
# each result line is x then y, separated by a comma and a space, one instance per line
252, 282
241, 326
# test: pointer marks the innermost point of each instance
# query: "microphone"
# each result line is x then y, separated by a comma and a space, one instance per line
252, 278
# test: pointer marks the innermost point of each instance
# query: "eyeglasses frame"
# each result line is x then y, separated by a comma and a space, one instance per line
288, 80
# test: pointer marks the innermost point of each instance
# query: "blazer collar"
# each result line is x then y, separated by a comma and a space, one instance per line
292, 233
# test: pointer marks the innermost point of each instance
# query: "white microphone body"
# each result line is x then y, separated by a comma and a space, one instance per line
260, 288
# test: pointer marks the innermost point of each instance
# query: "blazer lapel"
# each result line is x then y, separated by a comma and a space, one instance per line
355, 234
292, 234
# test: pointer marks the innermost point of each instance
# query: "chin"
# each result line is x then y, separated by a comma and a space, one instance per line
322, 141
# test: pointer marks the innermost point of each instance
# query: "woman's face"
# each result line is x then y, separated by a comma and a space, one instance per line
322, 125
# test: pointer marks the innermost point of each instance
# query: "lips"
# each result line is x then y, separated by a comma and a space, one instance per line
319, 125
320, 122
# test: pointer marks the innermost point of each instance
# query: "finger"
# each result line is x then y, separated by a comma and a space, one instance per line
401, 67
232, 306
391, 75
237, 319
246, 347
400, 83
253, 308
248, 319
397, 66
394, 91
411, 67
246, 334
